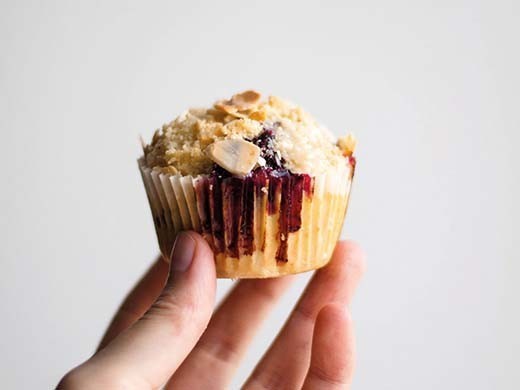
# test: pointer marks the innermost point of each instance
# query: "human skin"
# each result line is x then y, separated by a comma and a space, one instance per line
166, 333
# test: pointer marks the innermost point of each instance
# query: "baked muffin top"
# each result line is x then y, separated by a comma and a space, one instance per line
231, 131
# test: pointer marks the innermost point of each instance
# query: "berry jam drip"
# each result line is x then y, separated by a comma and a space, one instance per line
226, 203
352, 161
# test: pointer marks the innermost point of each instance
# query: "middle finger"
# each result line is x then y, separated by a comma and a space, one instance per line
213, 361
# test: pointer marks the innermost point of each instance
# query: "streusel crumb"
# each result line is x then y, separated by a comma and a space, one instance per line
304, 145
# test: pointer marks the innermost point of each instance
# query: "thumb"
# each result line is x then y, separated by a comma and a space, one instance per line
150, 350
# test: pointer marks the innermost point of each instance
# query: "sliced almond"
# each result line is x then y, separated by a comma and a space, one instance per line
226, 106
258, 115
236, 156
347, 144
217, 114
244, 101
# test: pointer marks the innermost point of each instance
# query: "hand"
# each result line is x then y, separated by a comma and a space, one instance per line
164, 332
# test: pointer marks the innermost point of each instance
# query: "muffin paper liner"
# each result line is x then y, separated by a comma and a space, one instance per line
257, 228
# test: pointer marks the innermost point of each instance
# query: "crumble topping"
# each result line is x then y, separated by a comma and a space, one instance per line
182, 146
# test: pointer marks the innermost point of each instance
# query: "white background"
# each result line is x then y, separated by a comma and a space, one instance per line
430, 88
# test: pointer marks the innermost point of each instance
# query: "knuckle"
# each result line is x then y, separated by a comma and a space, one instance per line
169, 309
329, 377
225, 349
266, 381
179, 309
304, 313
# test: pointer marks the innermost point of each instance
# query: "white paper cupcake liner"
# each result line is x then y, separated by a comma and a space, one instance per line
253, 230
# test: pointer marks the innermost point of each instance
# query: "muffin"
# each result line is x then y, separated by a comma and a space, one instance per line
263, 182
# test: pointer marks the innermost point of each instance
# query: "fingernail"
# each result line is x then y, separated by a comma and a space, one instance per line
182, 253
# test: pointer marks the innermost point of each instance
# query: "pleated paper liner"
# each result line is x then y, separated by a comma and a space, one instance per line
258, 228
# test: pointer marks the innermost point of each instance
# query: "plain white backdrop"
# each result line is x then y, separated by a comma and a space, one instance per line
430, 88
